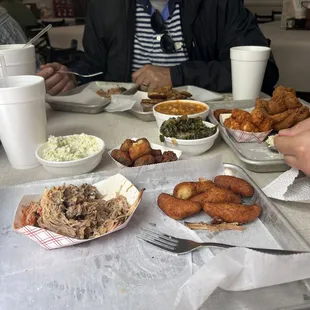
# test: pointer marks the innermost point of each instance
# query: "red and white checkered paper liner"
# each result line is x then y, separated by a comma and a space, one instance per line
49, 240
244, 136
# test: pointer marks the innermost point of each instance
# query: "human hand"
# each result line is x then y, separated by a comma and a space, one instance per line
295, 148
56, 82
152, 77
297, 129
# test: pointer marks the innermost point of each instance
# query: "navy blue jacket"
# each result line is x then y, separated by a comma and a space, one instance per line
210, 29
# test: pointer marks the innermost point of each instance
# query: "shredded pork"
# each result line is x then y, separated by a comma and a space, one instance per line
77, 211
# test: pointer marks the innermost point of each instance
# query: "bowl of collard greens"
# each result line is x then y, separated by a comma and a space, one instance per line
192, 136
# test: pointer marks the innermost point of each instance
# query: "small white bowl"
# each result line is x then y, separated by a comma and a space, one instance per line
73, 167
193, 147
160, 117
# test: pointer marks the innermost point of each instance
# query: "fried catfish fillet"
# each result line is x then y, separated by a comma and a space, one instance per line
279, 117
291, 101
177, 209
288, 122
276, 105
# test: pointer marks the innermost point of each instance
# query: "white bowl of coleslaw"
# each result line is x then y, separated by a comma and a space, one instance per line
71, 155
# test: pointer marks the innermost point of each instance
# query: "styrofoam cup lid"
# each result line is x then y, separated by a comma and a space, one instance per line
250, 53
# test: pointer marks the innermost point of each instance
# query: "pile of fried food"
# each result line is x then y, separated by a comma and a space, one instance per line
140, 153
220, 199
256, 121
162, 94
76, 211
282, 111
110, 92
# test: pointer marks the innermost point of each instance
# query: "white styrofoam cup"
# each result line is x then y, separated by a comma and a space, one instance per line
19, 60
22, 119
248, 66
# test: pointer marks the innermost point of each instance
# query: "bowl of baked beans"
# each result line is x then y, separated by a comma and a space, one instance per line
176, 108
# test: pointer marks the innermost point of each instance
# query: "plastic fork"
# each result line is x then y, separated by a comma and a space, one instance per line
184, 246
81, 75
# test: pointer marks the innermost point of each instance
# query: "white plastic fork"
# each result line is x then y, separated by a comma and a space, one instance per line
81, 75
184, 246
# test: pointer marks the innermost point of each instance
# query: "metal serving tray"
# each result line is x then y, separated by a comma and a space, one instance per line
287, 237
94, 105
82, 270
255, 157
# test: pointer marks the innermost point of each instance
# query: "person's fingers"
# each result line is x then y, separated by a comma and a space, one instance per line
69, 86
297, 129
139, 72
144, 80
291, 160
57, 83
46, 73
285, 144
155, 84
58, 88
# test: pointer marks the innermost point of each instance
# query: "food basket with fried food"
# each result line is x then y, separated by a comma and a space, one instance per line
140, 152
246, 126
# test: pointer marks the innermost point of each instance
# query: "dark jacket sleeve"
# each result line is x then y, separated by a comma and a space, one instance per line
95, 53
236, 27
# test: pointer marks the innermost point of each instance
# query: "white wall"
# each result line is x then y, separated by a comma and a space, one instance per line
263, 6
48, 3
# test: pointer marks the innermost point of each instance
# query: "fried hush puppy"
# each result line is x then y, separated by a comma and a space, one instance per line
177, 209
217, 194
232, 212
121, 157
237, 185
187, 190
144, 160
139, 148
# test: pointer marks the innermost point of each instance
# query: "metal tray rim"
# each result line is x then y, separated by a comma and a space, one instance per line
271, 205
238, 154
